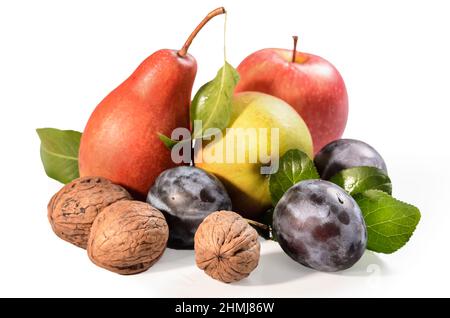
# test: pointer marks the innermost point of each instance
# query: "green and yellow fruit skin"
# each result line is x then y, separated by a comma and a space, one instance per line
247, 187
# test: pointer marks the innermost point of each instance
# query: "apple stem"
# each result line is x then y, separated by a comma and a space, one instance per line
183, 51
294, 52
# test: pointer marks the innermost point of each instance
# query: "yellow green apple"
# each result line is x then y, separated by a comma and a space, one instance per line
261, 129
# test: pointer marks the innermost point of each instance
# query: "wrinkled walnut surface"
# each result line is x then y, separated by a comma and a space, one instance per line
72, 210
128, 237
226, 247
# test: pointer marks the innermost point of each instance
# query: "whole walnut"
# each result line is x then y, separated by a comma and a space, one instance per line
128, 237
72, 209
226, 246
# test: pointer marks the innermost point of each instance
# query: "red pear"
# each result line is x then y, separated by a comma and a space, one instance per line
307, 82
120, 141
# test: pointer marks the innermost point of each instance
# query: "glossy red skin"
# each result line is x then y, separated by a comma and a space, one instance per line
312, 85
120, 141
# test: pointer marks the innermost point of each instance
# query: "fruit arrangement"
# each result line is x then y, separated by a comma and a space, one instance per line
256, 153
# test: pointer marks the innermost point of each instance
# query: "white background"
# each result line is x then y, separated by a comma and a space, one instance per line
58, 59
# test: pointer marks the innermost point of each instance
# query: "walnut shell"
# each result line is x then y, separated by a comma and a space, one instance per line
72, 209
128, 237
226, 247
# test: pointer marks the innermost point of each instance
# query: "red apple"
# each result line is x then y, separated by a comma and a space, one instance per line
309, 83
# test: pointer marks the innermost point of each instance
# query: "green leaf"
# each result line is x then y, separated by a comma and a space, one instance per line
359, 179
390, 222
212, 103
295, 166
59, 153
169, 143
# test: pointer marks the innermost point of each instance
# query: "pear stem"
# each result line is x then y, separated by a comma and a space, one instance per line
183, 51
294, 52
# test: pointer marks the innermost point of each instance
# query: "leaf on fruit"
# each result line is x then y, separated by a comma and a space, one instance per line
359, 179
212, 103
169, 143
390, 223
295, 166
59, 153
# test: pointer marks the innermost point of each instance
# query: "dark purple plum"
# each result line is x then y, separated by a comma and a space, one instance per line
186, 195
346, 153
320, 226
